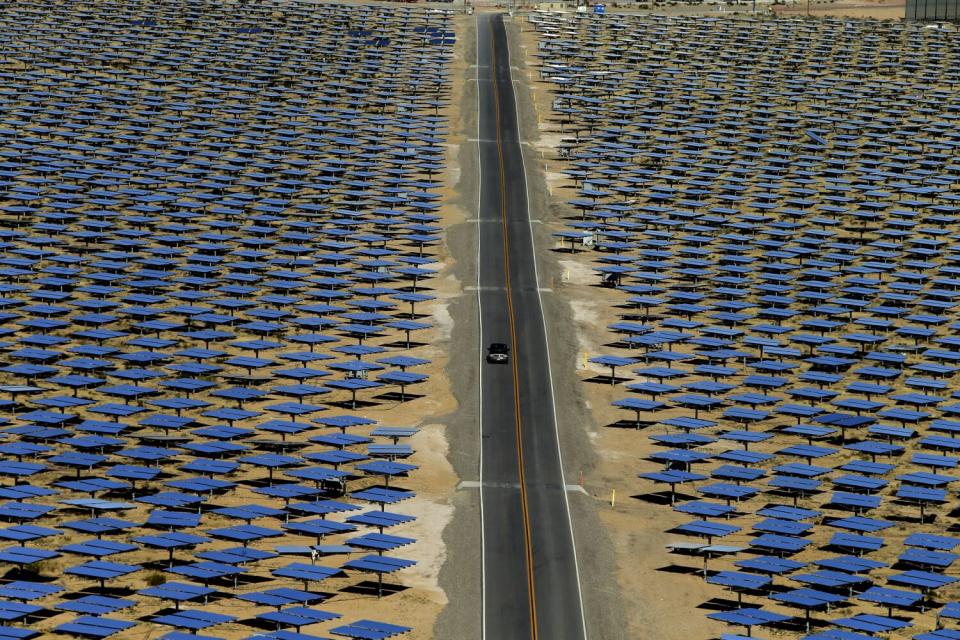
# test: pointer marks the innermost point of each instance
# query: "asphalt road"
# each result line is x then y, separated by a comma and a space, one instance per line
531, 585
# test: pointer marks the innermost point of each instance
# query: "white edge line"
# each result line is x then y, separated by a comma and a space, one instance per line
483, 550
543, 318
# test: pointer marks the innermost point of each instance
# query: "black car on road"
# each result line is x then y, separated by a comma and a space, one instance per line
498, 353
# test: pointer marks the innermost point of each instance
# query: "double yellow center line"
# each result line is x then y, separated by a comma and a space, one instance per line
518, 420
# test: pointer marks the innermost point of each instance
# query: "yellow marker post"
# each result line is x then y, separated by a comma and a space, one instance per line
613, 498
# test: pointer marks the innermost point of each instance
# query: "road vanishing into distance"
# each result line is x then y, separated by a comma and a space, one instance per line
530, 584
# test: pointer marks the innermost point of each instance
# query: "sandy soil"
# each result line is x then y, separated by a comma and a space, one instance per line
880, 10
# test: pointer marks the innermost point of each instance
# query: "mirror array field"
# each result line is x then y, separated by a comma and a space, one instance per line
775, 204
219, 225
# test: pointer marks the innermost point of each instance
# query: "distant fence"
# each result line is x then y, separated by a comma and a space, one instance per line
933, 10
